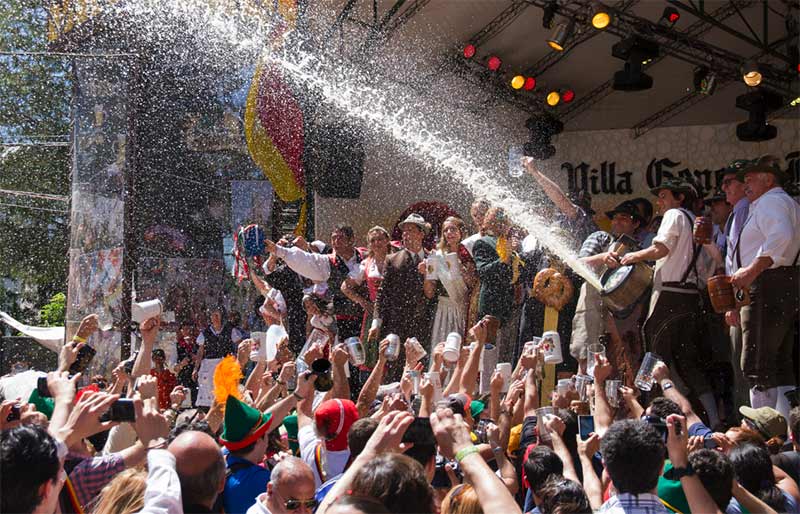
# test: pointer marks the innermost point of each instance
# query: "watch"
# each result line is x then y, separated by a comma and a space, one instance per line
666, 384
678, 473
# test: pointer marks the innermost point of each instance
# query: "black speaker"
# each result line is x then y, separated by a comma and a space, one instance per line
334, 160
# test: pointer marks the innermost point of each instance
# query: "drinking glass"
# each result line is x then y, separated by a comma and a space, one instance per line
542, 413
644, 378
591, 351
612, 392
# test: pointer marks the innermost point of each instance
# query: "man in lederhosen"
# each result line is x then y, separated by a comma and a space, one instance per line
671, 327
765, 259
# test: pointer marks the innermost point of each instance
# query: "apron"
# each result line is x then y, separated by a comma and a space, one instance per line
205, 382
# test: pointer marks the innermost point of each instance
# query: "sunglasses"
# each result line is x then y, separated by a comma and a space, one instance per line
296, 504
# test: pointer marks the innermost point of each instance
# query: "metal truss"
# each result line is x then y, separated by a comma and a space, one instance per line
500, 22
683, 45
553, 58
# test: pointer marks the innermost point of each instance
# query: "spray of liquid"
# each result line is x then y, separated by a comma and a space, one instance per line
233, 38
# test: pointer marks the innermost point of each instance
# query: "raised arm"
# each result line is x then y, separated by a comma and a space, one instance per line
551, 189
370, 389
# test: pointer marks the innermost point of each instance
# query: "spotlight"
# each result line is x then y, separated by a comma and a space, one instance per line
517, 82
669, 17
560, 35
553, 98
530, 83
601, 18
548, 14
469, 51
635, 51
494, 63
751, 74
758, 104
705, 81
567, 96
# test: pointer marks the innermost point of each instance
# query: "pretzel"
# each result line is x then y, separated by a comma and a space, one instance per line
552, 288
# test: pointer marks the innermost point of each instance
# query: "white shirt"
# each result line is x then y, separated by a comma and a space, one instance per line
236, 335
772, 230
260, 506
163, 492
334, 461
470, 242
366, 268
314, 266
276, 296
675, 233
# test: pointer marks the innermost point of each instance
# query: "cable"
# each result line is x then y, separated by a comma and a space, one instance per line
41, 196
34, 208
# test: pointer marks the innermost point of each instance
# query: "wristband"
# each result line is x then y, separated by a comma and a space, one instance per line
464, 452
297, 396
497, 449
78, 339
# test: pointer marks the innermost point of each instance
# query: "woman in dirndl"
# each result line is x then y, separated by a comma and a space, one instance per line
450, 276
370, 271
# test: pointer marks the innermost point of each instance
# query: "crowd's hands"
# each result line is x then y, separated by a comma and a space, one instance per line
744, 277
61, 386
147, 386
84, 419
314, 352
588, 447
422, 267
450, 431
480, 331
496, 383
88, 326
554, 425
305, 385
611, 260
288, 370
177, 396
270, 246
150, 424
677, 440
529, 360
68, 354
149, 331
437, 355
388, 435
629, 394
732, 318
28, 415
515, 392
382, 347
340, 355
631, 258
602, 369
393, 402
660, 372
374, 333
414, 353
243, 352
493, 436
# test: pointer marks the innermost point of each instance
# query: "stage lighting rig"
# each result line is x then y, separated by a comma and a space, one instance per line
705, 81
751, 73
669, 17
636, 52
758, 104
561, 34
600, 16
549, 14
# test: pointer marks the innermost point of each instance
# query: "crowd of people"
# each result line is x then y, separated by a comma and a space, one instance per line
408, 379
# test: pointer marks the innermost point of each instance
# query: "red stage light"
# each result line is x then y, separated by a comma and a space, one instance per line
494, 63
469, 51
567, 96
530, 83
673, 17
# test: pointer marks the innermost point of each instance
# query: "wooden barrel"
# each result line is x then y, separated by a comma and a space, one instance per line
720, 290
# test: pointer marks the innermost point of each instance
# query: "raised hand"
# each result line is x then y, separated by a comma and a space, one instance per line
450, 431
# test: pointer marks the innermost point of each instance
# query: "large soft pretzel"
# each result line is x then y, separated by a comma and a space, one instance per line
552, 288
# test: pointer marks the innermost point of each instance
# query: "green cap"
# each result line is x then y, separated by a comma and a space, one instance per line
243, 424
475, 408
769, 422
676, 185
290, 422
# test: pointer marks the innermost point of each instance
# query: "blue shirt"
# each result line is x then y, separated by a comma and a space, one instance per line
243, 486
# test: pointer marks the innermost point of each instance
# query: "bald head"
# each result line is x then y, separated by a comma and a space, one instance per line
291, 479
200, 467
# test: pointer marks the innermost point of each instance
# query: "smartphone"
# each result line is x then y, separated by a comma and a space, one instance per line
120, 410
440, 478
85, 356
15, 414
709, 443
585, 426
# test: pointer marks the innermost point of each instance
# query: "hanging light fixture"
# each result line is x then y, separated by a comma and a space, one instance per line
494, 63
530, 83
601, 17
560, 35
469, 51
751, 74
567, 95
553, 98
517, 82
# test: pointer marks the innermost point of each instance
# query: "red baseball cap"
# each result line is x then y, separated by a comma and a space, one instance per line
333, 419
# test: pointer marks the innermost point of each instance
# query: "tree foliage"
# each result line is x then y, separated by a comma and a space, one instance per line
34, 108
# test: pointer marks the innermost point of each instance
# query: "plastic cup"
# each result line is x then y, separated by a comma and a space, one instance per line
414, 376
452, 347
356, 351
563, 386
612, 392
644, 378
142, 311
259, 341
551, 347
275, 334
581, 386
542, 414
505, 370
414, 342
593, 350
393, 351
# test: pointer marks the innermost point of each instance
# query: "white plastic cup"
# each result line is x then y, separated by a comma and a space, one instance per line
393, 351
452, 347
356, 351
142, 311
275, 334
414, 376
644, 378
563, 386
505, 370
259, 348
551, 347
542, 414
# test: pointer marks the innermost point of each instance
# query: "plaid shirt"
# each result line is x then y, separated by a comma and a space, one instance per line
93, 473
624, 503
597, 242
